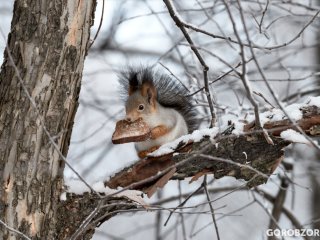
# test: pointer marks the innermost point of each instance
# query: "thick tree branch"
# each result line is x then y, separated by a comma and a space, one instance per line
230, 155
249, 157
76, 209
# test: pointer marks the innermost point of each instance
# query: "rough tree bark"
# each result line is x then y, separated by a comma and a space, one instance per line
48, 43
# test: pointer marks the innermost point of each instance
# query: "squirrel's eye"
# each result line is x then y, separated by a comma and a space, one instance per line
141, 107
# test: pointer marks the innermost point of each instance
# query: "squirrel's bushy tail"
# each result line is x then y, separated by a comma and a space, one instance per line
170, 92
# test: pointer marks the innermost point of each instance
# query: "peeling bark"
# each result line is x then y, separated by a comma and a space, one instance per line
48, 43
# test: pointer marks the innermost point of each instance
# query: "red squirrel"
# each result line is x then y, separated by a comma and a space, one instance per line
161, 102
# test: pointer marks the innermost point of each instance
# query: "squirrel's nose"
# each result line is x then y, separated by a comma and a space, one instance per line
128, 119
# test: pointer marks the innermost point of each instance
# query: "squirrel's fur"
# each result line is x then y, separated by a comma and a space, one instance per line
171, 93
165, 106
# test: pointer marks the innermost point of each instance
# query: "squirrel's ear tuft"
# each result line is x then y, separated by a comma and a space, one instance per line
148, 90
133, 83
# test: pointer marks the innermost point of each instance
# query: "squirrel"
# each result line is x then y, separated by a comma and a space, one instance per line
161, 102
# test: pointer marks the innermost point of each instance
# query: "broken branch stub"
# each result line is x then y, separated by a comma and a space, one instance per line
309, 123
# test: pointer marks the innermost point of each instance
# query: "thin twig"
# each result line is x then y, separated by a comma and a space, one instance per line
183, 225
100, 24
83, 226
235, 164
14, 230
158, 219
278, 205
262, 17
160, 20
264, 98
228, 214
174, 15
186, 25
212, 190
211, 207
184, 202
243, 76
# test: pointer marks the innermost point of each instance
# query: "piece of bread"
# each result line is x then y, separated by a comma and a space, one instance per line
136, 131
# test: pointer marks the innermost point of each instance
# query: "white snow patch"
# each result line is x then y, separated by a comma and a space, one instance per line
294, 111
238, 128
294, 136
63, 196
313, 101
99, 187
276, 114
78, 187
196, 136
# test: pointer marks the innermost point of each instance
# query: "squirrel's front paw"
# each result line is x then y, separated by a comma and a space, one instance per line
159, 131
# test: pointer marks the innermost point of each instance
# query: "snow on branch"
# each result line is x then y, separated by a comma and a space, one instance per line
245, 155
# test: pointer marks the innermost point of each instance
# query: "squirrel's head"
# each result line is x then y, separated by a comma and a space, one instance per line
142, 100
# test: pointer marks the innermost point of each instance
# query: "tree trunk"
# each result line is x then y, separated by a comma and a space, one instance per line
48, 43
